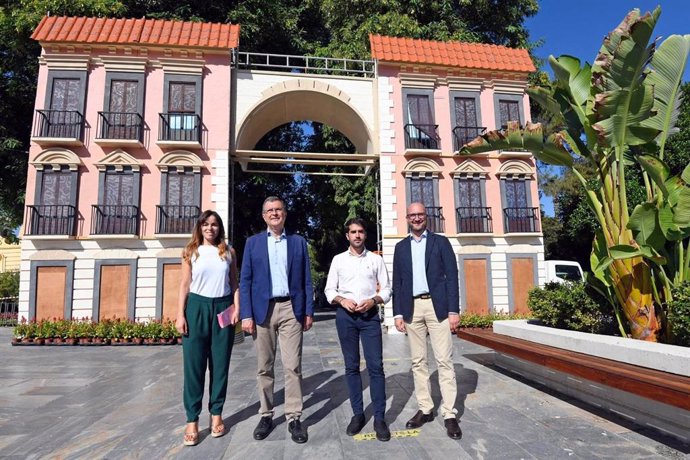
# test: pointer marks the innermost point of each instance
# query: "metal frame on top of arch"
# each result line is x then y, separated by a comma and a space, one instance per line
305, 64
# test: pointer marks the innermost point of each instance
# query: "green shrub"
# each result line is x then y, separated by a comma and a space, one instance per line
679, 314
9, 284
571, 306
486, 321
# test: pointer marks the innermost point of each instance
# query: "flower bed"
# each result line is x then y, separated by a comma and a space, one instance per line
90, 333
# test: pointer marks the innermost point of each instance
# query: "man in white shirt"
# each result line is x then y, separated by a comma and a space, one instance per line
358, 282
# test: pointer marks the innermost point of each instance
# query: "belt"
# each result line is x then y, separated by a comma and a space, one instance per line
279, 299
423, 296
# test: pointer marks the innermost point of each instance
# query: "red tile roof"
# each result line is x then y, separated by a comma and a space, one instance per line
450, 54
160, 32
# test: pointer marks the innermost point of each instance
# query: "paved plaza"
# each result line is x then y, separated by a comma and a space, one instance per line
126, 402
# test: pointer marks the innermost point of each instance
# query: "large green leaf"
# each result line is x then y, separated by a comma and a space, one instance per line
681, 212
669, 62
624, 251
686, 175
656, 169
645, 226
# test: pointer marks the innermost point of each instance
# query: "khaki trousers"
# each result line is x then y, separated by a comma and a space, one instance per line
280, 325
423, 320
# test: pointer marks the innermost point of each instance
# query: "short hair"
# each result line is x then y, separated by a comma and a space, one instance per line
271, 199
357, 221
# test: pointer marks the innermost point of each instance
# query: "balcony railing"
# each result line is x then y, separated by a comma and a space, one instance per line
176, 219
435, 221
114, 220
521, 220
474, 220
120, 125
463, 134
183, 127
421, 136
65, 124
50, 220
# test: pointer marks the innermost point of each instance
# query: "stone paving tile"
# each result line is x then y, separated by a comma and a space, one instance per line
126, 403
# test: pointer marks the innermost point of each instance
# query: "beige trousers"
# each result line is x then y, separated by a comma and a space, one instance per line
423, 320
281, 325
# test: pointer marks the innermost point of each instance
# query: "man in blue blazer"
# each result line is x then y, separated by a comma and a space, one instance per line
426, 301
276, 303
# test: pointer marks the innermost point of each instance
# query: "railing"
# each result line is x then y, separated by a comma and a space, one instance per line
120, 125
176, 219
521, 220
421, 136
58, 123
50, 219
474, 220
114, 220
9, 311
176, 126
463, 134
305, 64
435, 221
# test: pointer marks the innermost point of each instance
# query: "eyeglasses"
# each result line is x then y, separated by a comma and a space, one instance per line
417, 215
273, 210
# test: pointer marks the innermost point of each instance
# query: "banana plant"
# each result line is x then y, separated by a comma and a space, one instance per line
619, 110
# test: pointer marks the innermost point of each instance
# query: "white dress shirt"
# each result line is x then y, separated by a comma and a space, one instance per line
355, 276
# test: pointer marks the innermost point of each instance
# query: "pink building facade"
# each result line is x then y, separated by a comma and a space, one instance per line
134, 135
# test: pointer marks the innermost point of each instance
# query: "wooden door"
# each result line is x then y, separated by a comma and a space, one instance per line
522, 269
50, 292
476, 286
114, 292
171, 289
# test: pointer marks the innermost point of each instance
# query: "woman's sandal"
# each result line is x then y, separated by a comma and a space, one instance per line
217, 430
191, 439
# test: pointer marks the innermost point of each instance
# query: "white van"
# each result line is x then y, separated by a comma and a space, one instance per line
560, 271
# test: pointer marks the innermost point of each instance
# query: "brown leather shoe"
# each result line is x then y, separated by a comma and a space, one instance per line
452, 428
419, 419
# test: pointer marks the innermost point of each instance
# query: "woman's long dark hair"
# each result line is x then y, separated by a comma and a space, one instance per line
197, 239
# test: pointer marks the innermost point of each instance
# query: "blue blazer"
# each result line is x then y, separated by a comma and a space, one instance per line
255, 278
441, 275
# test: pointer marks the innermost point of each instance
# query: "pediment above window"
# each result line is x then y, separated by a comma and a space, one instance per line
118, 159
180, 159
422, 166
469, 168
56, 158
515, 168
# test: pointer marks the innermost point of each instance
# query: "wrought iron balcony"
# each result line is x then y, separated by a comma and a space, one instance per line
58, 124
176, 219
474, 220
435, 221
124, 126
180, 127
463, 134
50, 220
421, 136
521, 220
114, 219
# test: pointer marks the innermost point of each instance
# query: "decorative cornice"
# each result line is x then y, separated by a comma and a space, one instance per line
411, 80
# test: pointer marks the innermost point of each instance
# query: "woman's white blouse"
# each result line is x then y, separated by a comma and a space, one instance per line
210, 273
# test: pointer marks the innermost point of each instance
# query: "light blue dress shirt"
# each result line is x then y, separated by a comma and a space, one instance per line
419, 282
277, 259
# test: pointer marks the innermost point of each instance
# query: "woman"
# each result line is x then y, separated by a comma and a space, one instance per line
208, 287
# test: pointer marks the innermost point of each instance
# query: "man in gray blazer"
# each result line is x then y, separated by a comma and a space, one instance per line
426, 300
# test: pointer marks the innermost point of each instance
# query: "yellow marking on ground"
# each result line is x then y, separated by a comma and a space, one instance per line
394, 434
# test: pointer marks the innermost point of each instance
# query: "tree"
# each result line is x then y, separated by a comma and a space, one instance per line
617, 112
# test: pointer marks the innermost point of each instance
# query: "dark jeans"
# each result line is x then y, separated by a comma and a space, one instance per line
367, 326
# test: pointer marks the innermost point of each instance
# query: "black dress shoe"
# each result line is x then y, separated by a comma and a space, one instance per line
452, 428
298, 432
381, 429
264, 428
419, 419
356, 425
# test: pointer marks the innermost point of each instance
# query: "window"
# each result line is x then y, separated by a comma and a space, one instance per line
509, 111
181, 120
124, 105
472, 215
180, 192
63, 115
117, 211
420, 130
518, 213
466, 115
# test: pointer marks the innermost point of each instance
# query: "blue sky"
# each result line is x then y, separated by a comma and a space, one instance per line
577, 28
